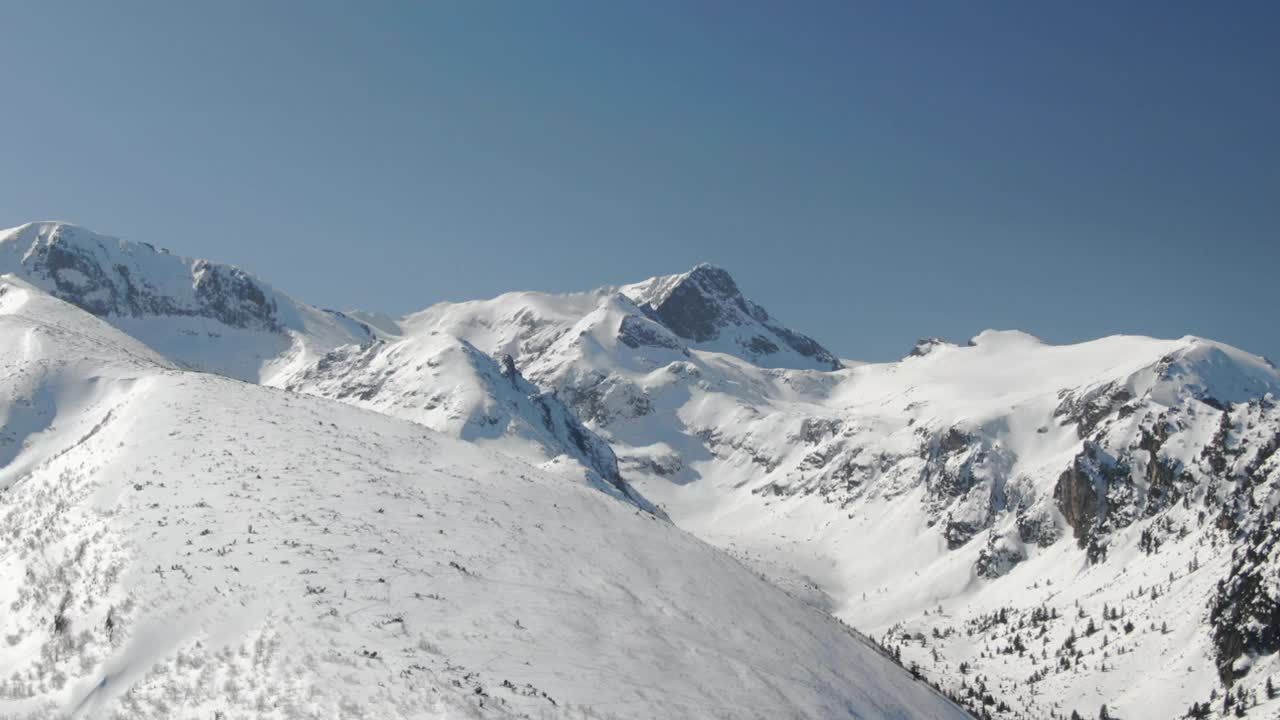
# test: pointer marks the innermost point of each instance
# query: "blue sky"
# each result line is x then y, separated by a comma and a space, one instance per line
870, 172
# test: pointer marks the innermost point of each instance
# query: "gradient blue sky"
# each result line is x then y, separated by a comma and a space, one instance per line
870, 172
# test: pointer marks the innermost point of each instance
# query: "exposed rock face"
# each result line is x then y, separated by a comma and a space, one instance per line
637, 332
999, 556
1037, 528
1245, 609
924, 346
1086, 409
87, 271
199, 314
1080, 493
698, 306
964, 474
705, 303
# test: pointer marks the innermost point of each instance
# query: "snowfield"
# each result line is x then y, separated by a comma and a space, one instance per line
179, 544
1036, 529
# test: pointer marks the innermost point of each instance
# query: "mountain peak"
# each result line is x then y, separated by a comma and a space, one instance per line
713, 277
706, 306
111, 277
1000, 339
170, 301
704, 281
40, 227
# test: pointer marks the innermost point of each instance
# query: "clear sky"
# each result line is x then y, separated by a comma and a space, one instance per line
870, 172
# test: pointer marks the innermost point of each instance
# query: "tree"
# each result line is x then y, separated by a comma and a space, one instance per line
1103, 714
1271, 690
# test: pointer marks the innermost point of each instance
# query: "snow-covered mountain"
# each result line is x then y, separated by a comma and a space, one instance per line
1001, 474
1038, 529
705, 307
218, 318
201, 315
179, 544
463, 392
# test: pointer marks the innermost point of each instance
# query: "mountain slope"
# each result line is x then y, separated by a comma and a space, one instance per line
968, 476
184, 545
1039, 528
458, 390
218, 318
199, 314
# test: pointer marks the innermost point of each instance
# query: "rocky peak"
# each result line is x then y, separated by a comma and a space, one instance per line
705, 305
111, 277
927, 345
697, 304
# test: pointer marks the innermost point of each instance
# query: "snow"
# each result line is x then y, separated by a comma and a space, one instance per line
719, 442
913, 500
182, 544
252, 353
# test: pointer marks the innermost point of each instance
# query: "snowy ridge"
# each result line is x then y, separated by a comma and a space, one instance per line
1038, 529
214, 548
218, 318
454, 388
202, 315
968, 467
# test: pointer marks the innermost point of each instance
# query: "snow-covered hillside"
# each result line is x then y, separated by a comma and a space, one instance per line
217, 318
1039, 529
199, 314
964, 476
179, 544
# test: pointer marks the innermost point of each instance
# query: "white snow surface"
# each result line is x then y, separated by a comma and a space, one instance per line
915, 500
180, 544
834, 482
164, 300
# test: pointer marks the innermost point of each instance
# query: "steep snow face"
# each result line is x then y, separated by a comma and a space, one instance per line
201, 315
183, 545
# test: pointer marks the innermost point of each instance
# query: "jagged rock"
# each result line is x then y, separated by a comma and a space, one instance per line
637, 332
1245, 609
998, 556
82, 269
705, 303
1086, 410
1080, 493
1038, 528
924, 346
